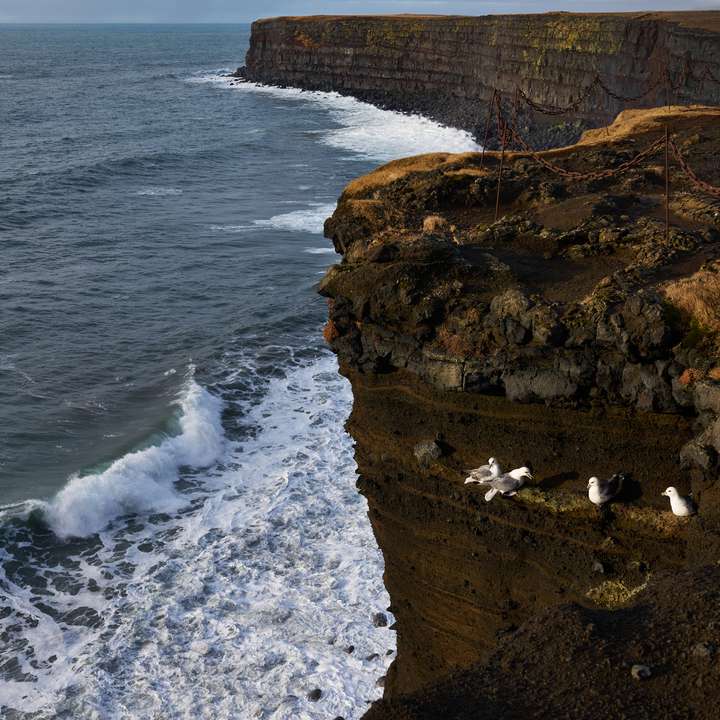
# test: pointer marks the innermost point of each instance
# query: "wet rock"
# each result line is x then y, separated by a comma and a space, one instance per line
314, 695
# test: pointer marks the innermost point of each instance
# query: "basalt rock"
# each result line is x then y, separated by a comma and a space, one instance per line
448, 67
653, 659
571, 333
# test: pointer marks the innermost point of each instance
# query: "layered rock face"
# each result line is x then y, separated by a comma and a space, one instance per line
447, 67
655, 659
573, 333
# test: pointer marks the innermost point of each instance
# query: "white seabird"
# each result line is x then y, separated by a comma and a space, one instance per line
681, 506
485, 473
603, 491
508, 484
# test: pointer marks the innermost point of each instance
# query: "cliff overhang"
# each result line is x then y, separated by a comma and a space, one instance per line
578, 331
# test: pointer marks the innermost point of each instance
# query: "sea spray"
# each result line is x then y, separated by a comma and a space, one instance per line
311, 220
363, 129
239, 605
144, 480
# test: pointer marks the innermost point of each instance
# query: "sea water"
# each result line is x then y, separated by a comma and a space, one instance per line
180, 533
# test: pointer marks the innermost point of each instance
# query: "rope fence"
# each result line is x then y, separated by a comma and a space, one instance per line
507, 130
689, 173
665, 81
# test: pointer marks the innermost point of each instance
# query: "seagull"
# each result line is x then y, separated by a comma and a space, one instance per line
682, 506
603, 491
508, 484
485, 473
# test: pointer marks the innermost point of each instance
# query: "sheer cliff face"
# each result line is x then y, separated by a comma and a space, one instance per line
447, 67
573, 334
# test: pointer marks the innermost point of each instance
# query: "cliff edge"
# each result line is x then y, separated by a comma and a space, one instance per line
448, 68
577, 331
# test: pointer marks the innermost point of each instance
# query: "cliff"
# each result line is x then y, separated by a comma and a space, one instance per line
447, 67
575, 333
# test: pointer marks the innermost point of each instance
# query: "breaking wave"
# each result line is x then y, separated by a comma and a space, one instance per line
367, 131
142, 481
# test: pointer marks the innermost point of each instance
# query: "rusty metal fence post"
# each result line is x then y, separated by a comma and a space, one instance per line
503, 132
487, 126
667, 184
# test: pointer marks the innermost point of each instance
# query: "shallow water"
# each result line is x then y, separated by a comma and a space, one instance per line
181, 534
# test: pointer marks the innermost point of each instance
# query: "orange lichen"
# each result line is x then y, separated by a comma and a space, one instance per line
690, 376
330, 332
305, 41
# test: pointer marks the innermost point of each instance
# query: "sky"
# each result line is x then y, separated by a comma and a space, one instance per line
241, 11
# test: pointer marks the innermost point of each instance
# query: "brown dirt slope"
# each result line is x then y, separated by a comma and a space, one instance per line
575, 663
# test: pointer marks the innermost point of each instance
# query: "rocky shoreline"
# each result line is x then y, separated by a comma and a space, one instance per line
572, 332
447, 68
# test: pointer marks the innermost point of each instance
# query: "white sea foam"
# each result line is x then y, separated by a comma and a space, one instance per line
159, 191
320, 251
144, 480
366, 130
237, 606
309, 220
231, 228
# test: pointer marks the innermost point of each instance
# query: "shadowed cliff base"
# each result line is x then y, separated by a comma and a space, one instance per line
547, 66
656, 659
577, 331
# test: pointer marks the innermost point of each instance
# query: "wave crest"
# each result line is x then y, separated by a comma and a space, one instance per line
144, 480
368, 131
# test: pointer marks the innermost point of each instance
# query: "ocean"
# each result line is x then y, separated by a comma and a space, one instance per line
180, 533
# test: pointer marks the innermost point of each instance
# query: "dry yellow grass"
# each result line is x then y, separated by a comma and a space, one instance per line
698, 296
652, 120
613, 594
628, 123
